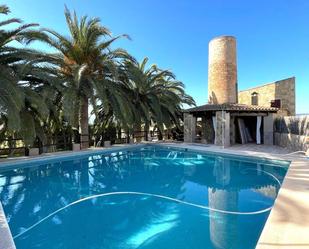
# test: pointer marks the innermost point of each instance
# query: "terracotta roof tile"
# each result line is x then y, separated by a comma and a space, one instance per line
232, 107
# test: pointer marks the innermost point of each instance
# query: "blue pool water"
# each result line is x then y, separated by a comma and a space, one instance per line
150, 197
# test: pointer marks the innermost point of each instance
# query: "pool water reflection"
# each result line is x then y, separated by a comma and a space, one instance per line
151, 197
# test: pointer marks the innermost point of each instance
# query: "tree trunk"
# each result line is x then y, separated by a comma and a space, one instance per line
128, 136
137, 132
160, 135
83, 123
146, 130
10, 144
119, 134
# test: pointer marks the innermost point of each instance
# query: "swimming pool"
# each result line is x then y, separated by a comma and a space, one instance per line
146, 197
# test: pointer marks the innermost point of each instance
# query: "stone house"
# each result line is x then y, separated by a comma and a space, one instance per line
230, 116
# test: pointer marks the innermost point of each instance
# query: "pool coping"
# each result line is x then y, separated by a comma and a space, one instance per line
6, 238
286, 226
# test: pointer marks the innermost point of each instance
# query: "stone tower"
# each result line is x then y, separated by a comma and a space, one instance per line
222, 70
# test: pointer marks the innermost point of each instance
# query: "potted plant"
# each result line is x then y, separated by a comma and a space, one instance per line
107, 143
34, 151
110, 135
34, 147
76, 146
76, 141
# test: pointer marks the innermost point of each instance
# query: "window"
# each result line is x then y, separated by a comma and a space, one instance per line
276, 103
254, 98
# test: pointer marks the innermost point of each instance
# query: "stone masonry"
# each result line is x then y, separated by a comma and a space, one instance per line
223, 128
282, 89
226, 104
268, 129
222, 70
189, 128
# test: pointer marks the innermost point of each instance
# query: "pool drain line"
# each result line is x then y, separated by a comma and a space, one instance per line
142, 194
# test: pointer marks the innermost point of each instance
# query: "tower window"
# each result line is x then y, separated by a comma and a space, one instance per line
254, 98
276, 103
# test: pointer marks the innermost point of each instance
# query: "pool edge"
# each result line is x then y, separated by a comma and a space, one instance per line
287, 225
15, 162
277, 233
6, 239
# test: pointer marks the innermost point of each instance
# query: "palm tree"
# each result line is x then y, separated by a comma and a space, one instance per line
18, 68
42, 108
41, 91
88, 67
155, 94
11, 98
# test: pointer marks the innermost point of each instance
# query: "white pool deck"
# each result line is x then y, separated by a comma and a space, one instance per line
288, 223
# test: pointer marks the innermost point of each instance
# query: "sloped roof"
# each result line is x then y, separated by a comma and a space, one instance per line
232, 107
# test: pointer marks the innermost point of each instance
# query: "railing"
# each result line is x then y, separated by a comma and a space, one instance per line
16, 146
118, 138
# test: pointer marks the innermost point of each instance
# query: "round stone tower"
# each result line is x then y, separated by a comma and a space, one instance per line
222, 70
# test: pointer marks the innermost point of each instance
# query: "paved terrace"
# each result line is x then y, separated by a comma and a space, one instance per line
288, 223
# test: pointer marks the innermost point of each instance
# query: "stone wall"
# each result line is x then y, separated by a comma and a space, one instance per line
282, 89
208, 132
292, 142
268, 127
223, 129
189, 128
292, 132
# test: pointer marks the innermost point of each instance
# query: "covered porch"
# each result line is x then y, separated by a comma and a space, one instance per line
229, 124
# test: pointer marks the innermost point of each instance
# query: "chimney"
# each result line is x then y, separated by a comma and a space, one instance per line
222, 70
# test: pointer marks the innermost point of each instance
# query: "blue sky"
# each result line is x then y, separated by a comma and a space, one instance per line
272, 36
